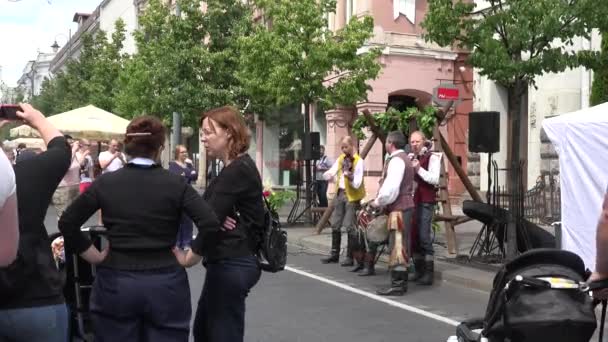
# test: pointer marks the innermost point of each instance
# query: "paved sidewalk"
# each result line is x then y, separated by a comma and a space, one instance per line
446, 266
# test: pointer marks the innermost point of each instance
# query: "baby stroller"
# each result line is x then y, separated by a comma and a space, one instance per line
79, 276
539, 296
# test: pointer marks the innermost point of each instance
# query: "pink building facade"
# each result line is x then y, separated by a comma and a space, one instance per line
411, 68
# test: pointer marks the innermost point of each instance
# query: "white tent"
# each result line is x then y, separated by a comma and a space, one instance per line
581, 140
86, 122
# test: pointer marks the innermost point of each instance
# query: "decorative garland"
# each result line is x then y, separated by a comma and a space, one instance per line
394, 120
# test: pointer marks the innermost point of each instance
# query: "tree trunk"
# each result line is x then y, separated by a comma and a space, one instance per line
515, 101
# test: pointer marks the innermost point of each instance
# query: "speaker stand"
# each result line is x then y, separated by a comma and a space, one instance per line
487, 244
306, 215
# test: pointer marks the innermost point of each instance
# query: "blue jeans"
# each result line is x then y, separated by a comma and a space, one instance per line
220, 316
424, 222
37, 324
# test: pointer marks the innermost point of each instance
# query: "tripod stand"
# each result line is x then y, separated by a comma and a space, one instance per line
294, 216
489, 243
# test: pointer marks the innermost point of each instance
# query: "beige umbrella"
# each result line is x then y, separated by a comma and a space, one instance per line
31, 143
87, 122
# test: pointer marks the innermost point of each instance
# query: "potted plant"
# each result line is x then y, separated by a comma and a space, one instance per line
277, 199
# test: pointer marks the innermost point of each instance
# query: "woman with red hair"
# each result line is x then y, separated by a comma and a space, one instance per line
230, 254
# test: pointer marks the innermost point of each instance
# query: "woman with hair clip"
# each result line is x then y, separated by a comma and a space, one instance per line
182, 167
141, 293
229, 255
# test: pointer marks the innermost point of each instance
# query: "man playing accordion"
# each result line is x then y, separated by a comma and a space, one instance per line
396, 195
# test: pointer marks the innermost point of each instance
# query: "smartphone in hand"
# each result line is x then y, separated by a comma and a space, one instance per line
9, 112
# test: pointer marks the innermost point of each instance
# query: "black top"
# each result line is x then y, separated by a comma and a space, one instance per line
37, 179
141, 208
237, 187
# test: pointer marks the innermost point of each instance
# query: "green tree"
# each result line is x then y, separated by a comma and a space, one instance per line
292, 57
90, 79
599, 90
106, 67
185, 62
47, 101
511, 42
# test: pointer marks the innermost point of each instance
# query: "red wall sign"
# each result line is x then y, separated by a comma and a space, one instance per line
450, 94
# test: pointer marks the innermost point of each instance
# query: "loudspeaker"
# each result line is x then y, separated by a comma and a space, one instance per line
311, 146
484, 132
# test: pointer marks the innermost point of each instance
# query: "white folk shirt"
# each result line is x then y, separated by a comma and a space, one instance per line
431, 176
389, 191
357, 174
7, 179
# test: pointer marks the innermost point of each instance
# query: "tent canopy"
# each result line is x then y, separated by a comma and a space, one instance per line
581, 140
33, 143
87, 122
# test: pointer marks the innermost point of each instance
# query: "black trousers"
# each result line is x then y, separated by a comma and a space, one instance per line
151, 305
220, 316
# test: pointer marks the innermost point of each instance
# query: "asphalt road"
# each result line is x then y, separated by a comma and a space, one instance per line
314, 302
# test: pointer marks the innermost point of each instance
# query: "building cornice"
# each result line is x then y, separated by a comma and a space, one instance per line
412, 52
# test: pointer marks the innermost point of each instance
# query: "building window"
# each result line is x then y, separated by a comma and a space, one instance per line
282, 147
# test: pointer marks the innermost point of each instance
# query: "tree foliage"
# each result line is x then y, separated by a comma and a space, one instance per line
512, 41
395, 120
599, 91
90, 79
292, 57
184, 63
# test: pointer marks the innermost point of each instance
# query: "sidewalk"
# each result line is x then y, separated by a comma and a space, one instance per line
447, 268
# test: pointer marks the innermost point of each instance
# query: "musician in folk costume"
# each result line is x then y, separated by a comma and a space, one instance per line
428, 168
396, 194
347, 173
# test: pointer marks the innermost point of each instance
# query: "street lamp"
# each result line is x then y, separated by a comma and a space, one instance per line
56, 46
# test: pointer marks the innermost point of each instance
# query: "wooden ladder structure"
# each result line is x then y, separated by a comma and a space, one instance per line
442, 146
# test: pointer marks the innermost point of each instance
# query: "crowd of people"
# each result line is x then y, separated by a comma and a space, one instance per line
141, 290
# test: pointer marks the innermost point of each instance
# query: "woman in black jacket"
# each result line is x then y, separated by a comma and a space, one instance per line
229, 255
140, 293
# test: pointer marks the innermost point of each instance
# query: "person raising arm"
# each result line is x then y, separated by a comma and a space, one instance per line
9, 221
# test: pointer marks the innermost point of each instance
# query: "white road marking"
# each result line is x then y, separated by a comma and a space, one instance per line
375, 297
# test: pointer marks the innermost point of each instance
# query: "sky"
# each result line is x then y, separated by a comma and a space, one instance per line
29, 26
